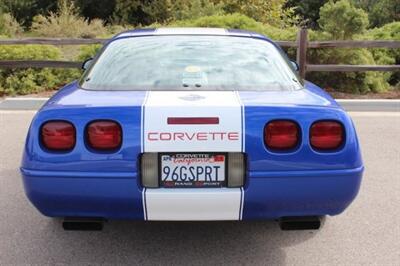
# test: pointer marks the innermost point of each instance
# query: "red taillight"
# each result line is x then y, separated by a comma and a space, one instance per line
104, 135
281, 135
58, 135
326, 135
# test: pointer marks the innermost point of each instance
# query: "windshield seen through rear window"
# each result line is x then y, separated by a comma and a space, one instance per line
190, 63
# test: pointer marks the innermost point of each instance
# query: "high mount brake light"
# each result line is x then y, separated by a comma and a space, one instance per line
193, 120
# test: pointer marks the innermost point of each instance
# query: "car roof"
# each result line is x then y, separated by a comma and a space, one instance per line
189, 31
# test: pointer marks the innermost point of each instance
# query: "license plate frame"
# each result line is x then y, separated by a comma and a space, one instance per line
193, 184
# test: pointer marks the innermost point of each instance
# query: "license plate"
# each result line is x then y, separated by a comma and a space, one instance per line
192, 170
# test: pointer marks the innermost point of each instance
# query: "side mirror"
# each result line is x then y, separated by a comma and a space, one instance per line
295, 65
86, 64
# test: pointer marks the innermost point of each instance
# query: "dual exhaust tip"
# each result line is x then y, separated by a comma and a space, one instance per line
285, 223
83, 224
300, 223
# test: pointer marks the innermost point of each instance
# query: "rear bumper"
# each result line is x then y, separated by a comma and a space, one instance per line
300, 193
267, 195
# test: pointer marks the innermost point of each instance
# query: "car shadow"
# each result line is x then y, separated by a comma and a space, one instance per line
181, 243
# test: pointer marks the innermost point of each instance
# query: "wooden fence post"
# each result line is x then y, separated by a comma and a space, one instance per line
302, 44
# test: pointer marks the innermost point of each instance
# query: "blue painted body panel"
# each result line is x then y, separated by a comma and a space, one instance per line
92, 184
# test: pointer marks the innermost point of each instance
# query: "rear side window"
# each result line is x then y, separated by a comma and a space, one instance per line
190, 63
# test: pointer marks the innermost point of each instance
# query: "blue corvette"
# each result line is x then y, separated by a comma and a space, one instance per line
191, 125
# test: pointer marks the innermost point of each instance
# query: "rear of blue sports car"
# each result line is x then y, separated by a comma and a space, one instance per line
192, 125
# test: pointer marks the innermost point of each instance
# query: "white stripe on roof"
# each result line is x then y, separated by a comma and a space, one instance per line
191, 31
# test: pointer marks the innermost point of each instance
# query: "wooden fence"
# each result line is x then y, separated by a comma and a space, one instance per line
302, 44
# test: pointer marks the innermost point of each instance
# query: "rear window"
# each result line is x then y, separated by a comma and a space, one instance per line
190, 63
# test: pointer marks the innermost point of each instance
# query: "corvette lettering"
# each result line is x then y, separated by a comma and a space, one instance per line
164, 128
197, 136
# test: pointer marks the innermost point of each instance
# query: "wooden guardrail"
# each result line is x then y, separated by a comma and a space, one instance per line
52, 41
302, 44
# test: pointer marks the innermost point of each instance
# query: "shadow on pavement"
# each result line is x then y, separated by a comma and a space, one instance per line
188, 243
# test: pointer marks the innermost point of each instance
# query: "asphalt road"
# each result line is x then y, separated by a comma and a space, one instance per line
367, 233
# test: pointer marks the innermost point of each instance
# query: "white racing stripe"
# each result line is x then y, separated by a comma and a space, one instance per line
142, 121
243, 121
159, 136
162, 133
190, 31
193, 204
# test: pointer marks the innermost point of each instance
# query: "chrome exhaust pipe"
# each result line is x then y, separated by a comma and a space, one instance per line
82, 224
300, 223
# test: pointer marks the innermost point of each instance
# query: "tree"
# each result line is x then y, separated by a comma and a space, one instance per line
92, 9
24, 10
267, 11
193, 9
380, 12
342, 20
307, 10
145, 12
141, 12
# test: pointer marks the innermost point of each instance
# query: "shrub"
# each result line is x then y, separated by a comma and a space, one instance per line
353, 82
88, 51
25, 81
33, 52
115, 29
342, 20
389, 31
270, 12
66, 22
182, 9
380, 12
9, 26
238, 21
